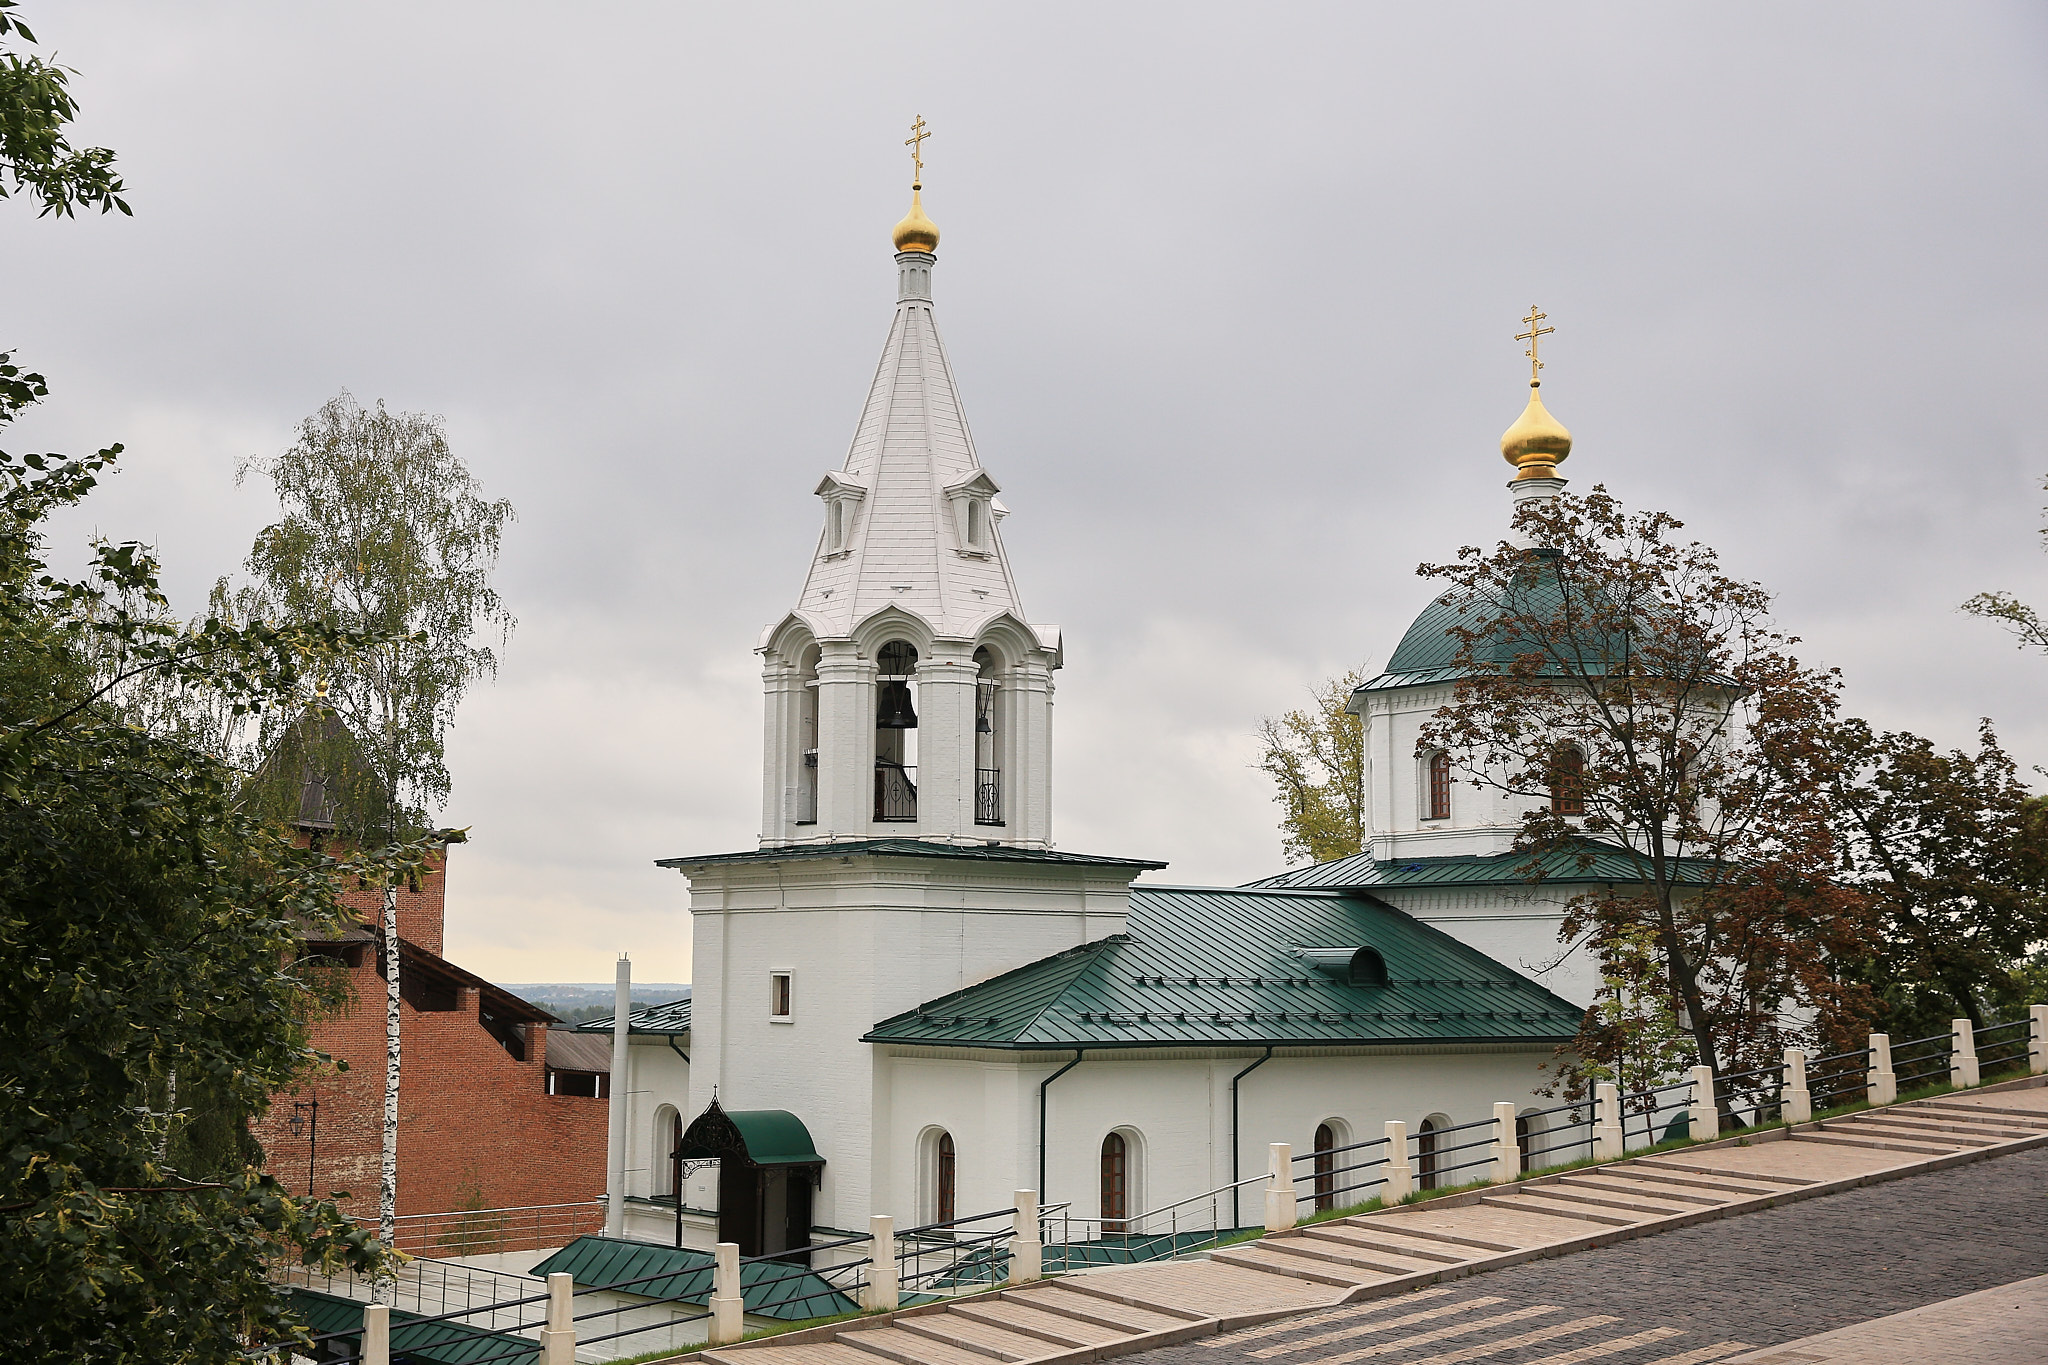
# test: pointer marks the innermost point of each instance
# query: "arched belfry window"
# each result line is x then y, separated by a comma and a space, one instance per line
988, 754
895, 732
1439, 786
1568, 780
807, 739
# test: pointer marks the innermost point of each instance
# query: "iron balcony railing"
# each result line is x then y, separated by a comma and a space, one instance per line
988, 796
895, 792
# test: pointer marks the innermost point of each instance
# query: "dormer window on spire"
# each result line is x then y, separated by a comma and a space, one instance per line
974, 513
843, 494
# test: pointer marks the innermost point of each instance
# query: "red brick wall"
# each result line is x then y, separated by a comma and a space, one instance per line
420, 913
475, 1128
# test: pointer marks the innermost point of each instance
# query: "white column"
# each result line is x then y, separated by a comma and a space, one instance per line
945, 741
1962, 1057
846, 741
558, 1338
1796, 1101
882, 1289
2037, 1039
1400, 1171
1607, 1139
620, 1083
376, 1334
1279, 1186
1882, 1085
1507, 1156
728, 1309
782, 693
1703, 1118
1027, 1249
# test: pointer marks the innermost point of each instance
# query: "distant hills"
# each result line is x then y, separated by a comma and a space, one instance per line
578, 1001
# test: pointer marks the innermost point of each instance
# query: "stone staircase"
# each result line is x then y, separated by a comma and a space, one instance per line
1097, 1314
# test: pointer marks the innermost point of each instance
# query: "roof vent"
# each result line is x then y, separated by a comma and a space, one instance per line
1353, 966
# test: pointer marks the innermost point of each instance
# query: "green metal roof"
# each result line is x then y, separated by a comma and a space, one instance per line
1213, 966
775, 1137
769, 1289
1596, 863
909, 848
446, 1343
672, 1018
1428, 653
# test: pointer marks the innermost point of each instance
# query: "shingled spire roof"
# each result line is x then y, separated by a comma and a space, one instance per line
919, 529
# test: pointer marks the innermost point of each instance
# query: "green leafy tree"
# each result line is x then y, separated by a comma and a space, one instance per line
2016, 616
1316, 758
148, 924
386, 532
1633, 696
1949, 847
36, 155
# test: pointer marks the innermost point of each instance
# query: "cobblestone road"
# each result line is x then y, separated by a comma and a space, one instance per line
1696, 1295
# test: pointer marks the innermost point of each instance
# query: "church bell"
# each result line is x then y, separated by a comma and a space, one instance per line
893, 711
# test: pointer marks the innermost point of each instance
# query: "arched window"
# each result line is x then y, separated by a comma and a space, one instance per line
1426, 1150
1524, 1131
977, 517
895, 720
1368, 968
1568, 781
946, 1206
1439, 786
1116, 1184
666, 1165
1326, 1168
988, 754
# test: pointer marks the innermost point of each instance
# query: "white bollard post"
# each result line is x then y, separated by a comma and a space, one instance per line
1506, 1152
1882, 1085
1795, 1102
1279, 1187
728, 1308
880, 1291
558, 1338
1703, 1117
1607, 1141
1400, 1173
1962, 1056
376, 1334
1027, 1245
2037, 1039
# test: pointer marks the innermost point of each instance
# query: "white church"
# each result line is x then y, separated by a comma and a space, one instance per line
909, 1001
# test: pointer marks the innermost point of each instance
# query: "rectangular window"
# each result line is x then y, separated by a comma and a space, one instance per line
781, 997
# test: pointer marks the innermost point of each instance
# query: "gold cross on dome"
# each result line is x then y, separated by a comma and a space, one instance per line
1534, 336
918, 133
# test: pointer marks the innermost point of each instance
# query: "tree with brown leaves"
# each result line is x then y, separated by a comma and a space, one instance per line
1638, 697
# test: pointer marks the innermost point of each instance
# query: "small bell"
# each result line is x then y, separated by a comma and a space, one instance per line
893, 711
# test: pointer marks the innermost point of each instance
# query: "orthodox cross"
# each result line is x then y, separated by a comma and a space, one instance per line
1534, 336
918, 133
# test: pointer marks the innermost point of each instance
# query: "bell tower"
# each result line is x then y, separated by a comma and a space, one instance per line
908, 696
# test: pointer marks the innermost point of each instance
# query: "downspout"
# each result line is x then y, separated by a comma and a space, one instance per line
1236, 1215
676, 1174
1042, 1086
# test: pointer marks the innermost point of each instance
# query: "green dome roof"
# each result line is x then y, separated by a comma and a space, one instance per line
1428, 653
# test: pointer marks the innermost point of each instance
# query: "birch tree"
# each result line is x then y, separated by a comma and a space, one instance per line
386, 531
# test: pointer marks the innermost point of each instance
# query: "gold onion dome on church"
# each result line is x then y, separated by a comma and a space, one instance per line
1537, 443
917, 232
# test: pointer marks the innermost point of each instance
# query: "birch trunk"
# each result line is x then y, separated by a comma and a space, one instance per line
387, 1184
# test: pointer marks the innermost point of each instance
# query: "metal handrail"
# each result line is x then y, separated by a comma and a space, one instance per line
1313, 1153
2010, 1023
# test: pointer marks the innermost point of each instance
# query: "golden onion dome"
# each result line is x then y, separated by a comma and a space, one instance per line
916, 232
1537, 443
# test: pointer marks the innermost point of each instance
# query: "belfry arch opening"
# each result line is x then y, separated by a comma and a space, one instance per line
896, 733
807, 737
988, 740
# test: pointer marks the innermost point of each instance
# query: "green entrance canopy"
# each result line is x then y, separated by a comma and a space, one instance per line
764, 1137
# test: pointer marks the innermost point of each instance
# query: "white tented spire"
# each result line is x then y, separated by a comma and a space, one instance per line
911, 518
908, 696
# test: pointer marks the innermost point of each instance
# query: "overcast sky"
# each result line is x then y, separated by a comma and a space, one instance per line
1230, 291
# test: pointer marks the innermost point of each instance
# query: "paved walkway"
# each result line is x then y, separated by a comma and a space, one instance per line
2003, 1326
1393, 1284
